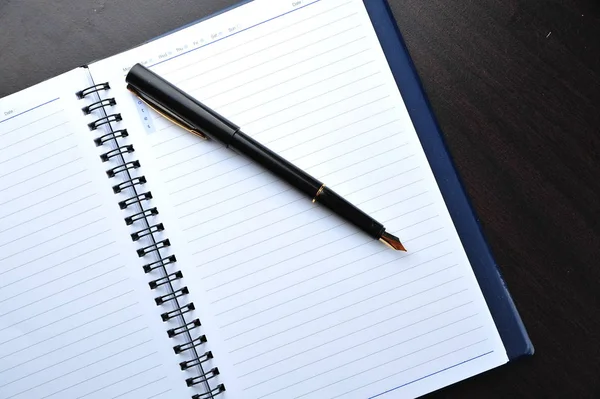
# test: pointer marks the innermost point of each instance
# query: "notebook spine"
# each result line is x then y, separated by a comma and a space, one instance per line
191, 349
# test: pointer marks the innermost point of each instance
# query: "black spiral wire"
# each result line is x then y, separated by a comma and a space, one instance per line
192, 345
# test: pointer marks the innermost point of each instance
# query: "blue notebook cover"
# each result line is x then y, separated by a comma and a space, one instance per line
503, 310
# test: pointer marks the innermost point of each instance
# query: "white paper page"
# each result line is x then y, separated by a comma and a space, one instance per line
296, 303
77, 318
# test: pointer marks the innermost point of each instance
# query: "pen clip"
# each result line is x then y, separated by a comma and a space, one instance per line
168, 116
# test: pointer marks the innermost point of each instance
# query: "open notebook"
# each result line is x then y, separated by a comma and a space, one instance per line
138, 261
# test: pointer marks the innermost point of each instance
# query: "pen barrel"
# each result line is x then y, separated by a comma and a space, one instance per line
306, 183
276, 164
351, 213
178, 105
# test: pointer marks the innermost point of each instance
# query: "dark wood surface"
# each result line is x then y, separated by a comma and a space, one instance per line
515, 85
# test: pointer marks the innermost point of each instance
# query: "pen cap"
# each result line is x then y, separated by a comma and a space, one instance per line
179, 105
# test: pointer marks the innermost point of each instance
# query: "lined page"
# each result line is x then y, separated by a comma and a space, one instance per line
73, 323
296, 303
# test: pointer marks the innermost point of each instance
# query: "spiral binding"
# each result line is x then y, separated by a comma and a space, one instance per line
129, 182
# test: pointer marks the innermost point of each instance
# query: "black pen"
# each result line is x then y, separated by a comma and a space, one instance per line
187, 112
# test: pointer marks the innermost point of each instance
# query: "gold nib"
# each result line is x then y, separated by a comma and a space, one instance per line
392, 241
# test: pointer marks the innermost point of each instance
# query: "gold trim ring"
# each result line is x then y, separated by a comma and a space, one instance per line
318, 193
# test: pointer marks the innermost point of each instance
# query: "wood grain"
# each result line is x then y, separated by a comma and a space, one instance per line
515, 85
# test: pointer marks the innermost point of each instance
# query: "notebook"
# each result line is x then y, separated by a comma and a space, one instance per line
139, 261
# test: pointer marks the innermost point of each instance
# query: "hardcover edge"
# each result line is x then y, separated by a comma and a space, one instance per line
504, 312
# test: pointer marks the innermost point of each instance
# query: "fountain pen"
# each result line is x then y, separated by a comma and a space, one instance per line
195, 117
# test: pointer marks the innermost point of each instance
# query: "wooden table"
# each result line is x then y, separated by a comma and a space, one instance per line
515, 85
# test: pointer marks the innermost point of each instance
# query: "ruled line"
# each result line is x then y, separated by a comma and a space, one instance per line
184, 134
64, 304
62, 263
313, 56
285, 68
158, 394
404, 327
30, 109
346, 136
329, 91
387, 193
231, 183
21, 223
280, 234
154, 381
354, 290
210, 178
106, 372
66, 317
297, 283
32, 122
292, 79
273, 265
43, 187
408, 368
56, 237
71, 330
199, 141
184, 148
270, 33
29, 234
404, 313
220, 148
345, 279
368, 171
362, 148
181, 176
304, 267
279, 137
48, 282
240, 249
322, 107
367, 242
370, 340
380, 365
238, 32
256, 216
85, 352
257, 40
34, 135
46, 199
239, 194
29, 164
319, 41
81, 368
412, 211
37, 148
41, 174
230, 211
428, 375
76, 285
419, 222
349, 306
425, 234
53, 252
